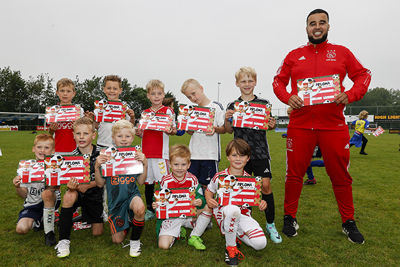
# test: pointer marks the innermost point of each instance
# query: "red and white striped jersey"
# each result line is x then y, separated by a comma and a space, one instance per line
169, 181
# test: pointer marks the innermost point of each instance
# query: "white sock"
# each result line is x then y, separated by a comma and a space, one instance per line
231, 223
48, 220
201, 224
187, 223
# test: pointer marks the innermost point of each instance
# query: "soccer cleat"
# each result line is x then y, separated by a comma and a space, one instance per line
232, 256
149, 215
350, 229
310, 181
290, 226
363, 153
135, 249
273, 233
196, 242
62, 248
50, 239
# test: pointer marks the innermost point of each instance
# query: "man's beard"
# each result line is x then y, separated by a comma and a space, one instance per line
318, 41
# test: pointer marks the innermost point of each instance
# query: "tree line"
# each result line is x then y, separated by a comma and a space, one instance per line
32, 95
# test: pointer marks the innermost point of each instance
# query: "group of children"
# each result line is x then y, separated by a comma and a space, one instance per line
179, 166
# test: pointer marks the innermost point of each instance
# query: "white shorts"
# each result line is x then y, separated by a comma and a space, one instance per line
156, 169
172, 227
246, 223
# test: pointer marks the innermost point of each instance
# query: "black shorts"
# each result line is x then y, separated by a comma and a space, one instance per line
92, 210
259, 167
204, 170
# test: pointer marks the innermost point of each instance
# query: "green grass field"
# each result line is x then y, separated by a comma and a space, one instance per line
320, 241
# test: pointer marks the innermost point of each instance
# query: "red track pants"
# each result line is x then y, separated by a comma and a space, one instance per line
334, 146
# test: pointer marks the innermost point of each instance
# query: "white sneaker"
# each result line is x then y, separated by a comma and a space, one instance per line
135, 249
62, 248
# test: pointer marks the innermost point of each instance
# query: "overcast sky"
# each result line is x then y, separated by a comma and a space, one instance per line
174, 40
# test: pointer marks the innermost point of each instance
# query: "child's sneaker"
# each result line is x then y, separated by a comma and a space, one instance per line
135, 249
149, 215
196, 242
63, 248
273, 233
290, 226
310, 181
350, 229
232, 256
50, 239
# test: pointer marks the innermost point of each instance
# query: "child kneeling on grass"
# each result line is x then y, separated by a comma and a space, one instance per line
236, 222
125, 204
88, 196
31, 216
170, 229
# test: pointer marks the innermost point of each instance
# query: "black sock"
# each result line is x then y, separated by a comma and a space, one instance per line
148, 193
65, 223
270, 211
137, 229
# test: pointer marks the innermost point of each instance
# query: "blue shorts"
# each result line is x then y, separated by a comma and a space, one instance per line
35, 212
204, 170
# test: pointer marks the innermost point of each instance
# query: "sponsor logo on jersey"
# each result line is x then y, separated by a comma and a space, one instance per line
116, 180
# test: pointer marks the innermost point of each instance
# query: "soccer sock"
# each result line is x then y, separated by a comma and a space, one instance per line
149, 192
270, 211
66, 222
201, 224
231, 223
137, 229
48, 220
188, 224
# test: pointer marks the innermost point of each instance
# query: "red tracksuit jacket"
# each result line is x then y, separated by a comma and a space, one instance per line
324, 59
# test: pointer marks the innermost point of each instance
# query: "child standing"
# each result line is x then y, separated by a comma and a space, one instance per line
360, 126
259, 164
233, 221
179, 157
124, 202
205, 148
112, 89
155, 144
63, 133
88, 196
32, 213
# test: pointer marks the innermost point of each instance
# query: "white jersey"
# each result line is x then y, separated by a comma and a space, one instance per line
104, 136
208, 147
34, 194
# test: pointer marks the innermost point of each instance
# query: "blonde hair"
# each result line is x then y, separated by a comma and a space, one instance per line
246, 71
181, 151
85, 121
65, 82
122, 124
112, 78
363, 115
154, 84
189, 82
43, 138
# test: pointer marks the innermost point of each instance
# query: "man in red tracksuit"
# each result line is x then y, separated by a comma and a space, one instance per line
323, 125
